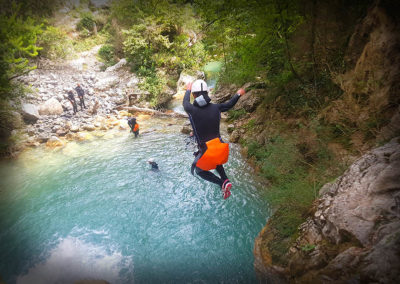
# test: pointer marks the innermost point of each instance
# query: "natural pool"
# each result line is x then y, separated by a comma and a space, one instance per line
94, 210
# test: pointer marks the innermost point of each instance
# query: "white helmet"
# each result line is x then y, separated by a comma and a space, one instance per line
150, 160
199, 86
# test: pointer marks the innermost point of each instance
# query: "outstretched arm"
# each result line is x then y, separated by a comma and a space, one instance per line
187, 106
231, 103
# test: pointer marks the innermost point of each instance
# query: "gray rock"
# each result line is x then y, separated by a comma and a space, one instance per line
88, 127
51, 107
117, 66
250, 100
107, 82
30, 113
186, 129
74, 128
42, 138
361, 208
235, 136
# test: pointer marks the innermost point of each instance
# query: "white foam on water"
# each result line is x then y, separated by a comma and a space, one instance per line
74, 260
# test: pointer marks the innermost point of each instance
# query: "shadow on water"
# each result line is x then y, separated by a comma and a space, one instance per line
94, 210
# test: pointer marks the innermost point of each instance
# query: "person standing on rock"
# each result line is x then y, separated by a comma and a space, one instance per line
134, 126
205, 120
80, 93
71, 99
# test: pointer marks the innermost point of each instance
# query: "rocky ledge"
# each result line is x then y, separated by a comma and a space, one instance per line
354, 233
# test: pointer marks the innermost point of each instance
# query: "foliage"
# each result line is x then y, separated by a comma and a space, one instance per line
236, 114
18, 36
155, 85
86, 24
155, 35
29, 8
106, 53
308, 247
54, 43
294, 179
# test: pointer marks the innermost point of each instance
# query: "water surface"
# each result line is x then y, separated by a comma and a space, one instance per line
94, 209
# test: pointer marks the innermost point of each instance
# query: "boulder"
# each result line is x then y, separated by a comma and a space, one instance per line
107, 82
51, 107
30, 113
186, 129
223, 94
62, 132
184, 79
54, 142
74, 128
117, 66
42, 138
132, 82
250, 100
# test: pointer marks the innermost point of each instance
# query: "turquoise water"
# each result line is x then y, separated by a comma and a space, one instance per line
94, 210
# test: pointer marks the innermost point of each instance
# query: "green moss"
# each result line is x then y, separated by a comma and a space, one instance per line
236, 114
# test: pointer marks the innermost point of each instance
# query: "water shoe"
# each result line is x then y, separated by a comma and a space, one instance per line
226, 188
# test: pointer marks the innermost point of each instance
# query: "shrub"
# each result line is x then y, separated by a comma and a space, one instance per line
54, 43
106, 53
86, 22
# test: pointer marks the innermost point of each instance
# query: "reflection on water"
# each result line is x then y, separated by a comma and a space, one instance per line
93, 209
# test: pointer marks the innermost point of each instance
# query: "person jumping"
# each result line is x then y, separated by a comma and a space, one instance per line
205, 119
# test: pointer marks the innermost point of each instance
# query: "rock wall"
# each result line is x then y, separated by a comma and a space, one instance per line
354, 234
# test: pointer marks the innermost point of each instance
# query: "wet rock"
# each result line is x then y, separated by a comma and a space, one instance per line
62, 132
30, 113
54, 141
51, 107
186, 129
89, 127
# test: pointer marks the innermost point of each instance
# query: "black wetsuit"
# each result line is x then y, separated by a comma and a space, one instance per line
154, 166
205, 122
132, 123
71, 99
80, 93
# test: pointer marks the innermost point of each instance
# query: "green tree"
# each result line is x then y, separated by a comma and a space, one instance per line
18, 37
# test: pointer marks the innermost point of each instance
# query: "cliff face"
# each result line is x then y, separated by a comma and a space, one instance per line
353, 232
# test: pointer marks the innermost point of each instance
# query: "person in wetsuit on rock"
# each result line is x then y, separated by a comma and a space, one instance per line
71, 99
205, 120
80, 93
